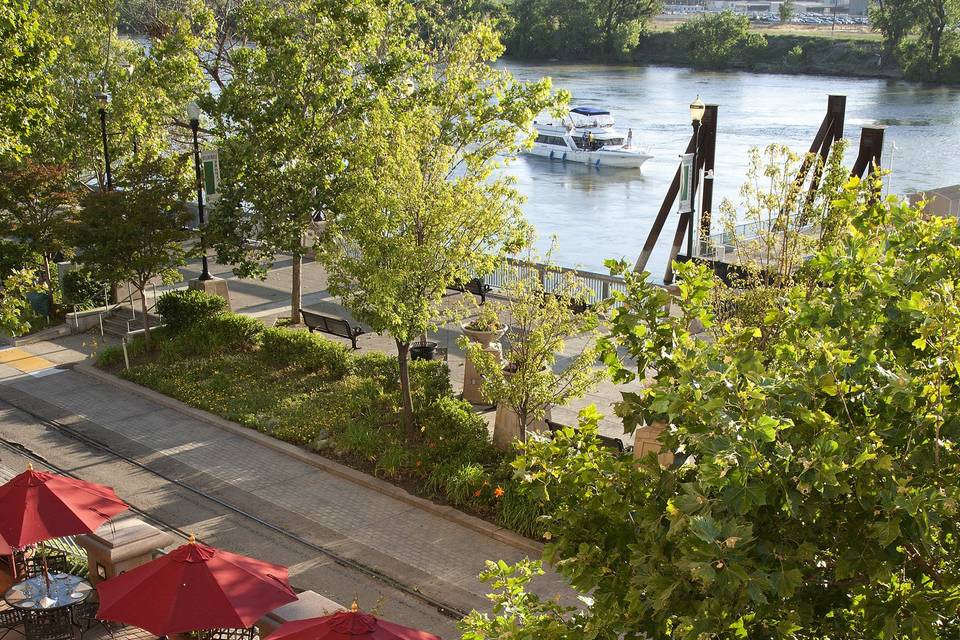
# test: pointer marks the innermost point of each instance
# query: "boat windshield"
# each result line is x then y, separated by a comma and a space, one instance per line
594, 120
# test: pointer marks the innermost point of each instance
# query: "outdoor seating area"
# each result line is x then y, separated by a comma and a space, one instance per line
119, 591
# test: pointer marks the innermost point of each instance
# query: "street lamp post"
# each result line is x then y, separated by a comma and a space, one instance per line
697, 109
129, 69
193, 112
104, 99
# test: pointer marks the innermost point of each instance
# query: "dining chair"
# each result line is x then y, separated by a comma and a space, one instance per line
10, 619
49, 624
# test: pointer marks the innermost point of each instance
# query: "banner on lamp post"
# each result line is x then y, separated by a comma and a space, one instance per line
210, 160
686, 184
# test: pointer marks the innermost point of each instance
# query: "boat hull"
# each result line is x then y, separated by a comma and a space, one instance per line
618, 159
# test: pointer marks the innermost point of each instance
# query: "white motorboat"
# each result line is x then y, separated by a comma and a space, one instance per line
587, 135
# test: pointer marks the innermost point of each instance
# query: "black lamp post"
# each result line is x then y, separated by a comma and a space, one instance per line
697, 109
129, 69
104, 99
193, 112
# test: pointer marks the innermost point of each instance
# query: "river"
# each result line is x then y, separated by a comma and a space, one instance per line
606, 213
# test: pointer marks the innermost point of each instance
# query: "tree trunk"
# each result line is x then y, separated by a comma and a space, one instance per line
46, 271
936, 36
523, 416
296, 289
409, 426
146, 320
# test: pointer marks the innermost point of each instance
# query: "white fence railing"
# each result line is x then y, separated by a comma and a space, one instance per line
597, 286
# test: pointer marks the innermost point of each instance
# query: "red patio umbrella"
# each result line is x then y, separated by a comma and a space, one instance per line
38, 506
348, 625
195, 587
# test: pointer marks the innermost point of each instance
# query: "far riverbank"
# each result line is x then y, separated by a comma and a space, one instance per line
789, 53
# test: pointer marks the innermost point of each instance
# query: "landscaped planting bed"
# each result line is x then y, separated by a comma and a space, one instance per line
300, 388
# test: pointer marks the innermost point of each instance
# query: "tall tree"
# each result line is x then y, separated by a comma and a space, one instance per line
137, 233
288, 116
149, 83
37, 206
819, 494
26, 52
938, 22
894, 19
420, 208
585, 29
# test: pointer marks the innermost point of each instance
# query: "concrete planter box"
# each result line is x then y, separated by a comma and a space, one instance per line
120, 546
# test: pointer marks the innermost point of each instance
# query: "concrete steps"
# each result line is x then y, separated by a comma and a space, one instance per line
117, 323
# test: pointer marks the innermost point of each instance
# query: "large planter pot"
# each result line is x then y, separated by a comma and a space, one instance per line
647, 440
423, 351
506, 424
484, 338
489, 341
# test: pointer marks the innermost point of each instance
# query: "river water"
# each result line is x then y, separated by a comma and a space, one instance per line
606, 213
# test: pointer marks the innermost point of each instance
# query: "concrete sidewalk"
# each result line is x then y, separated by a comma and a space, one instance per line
433, 555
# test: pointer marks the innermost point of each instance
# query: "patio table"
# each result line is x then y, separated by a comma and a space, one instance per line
65, 591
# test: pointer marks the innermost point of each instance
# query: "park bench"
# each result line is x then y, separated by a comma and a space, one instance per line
616, 444
476, 286
334, 326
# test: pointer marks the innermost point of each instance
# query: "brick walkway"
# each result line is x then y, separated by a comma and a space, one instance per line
432, 554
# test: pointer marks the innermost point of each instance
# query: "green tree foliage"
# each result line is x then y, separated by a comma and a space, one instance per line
820, 495
419, 208
714, 39
578, 29
938, 23
26, 51
15, 309
787, 11
923, 34
137, 232
92, 57
37, 206
290, 113
893, 19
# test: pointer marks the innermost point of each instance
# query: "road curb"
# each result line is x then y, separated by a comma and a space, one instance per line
473, 523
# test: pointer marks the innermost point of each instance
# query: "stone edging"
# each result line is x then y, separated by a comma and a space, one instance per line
535, 549
50, 333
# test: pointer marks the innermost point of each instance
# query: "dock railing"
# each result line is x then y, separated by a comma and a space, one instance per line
597, 286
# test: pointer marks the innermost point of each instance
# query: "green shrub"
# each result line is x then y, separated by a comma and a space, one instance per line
289, 347
376, 366
185, 308
467, 484
110, 356
226, 332
113, 355
392, 461
452, 432
83, 289
429, 380
520, 511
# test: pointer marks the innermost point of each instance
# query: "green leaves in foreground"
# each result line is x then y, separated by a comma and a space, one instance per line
819, 498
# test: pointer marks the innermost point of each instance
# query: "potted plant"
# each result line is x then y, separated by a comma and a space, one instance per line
486, 327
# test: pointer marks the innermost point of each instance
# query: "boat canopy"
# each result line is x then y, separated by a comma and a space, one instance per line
590, 111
